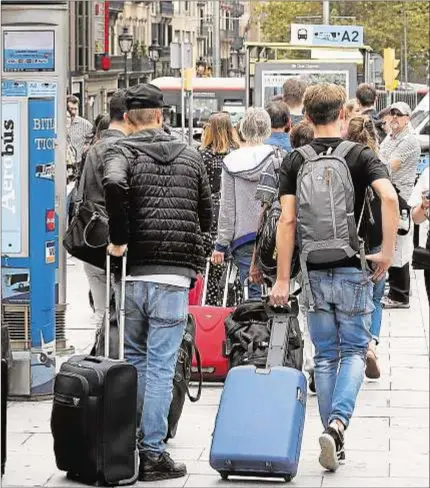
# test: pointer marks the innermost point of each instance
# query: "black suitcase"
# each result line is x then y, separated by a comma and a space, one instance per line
93, 418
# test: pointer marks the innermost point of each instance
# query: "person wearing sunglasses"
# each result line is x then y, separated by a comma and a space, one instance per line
400, 150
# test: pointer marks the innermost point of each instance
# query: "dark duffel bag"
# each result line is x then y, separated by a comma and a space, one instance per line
248, 330
87, 236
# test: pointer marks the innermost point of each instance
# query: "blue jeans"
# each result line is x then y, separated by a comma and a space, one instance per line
155, 319
340, 331
242, 257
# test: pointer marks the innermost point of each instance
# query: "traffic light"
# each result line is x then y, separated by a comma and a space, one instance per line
390, 71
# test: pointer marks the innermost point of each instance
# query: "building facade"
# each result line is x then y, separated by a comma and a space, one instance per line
98, 67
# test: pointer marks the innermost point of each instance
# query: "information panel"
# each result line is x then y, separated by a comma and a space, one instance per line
28, 51
270, 77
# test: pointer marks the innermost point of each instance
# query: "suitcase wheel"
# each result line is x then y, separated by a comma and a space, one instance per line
224, 476
288, 478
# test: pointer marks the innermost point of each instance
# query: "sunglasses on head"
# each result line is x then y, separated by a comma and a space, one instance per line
396, 113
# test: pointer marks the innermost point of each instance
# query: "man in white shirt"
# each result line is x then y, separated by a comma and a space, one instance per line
400, 150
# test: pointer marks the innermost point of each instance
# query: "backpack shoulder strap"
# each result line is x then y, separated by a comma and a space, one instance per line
344, 148
307, 152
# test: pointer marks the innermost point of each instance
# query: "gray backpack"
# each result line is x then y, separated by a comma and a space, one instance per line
326, 227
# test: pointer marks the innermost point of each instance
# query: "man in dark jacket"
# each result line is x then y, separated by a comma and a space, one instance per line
92, 177
159, 201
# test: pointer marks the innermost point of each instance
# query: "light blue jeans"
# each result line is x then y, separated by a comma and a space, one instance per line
242, 257
155, 320
340, 331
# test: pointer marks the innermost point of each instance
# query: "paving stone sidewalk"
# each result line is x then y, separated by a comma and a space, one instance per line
387, 443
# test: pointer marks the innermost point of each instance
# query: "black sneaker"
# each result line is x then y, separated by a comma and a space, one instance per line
312, 386
332, 449
160, 468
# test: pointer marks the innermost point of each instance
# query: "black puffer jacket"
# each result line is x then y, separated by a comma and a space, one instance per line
159, 201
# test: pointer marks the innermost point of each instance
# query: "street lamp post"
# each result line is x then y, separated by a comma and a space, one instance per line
154, 55
125, 41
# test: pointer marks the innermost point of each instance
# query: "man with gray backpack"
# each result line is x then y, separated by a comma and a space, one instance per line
322, 192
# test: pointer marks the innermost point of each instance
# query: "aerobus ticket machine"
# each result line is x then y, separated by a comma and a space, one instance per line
34, 53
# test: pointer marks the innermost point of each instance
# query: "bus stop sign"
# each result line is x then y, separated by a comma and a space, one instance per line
327, 35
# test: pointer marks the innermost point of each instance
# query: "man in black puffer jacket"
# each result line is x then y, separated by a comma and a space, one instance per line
159, 201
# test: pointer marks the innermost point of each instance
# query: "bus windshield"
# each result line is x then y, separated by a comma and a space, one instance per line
203, 108
236, 112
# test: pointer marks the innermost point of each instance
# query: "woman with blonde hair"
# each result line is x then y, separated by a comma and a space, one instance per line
352, 109
218, 139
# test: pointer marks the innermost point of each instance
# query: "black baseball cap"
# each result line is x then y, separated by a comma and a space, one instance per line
143, 96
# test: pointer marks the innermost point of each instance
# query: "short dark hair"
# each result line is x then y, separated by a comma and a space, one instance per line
117, 107
323, 102
102, 124
366, 95
301, 134
294, 91
72, 99
279, 114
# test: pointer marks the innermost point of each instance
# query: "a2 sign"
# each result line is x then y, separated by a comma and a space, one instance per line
327, 35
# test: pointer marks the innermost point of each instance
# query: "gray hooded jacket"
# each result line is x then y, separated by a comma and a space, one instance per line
239, 210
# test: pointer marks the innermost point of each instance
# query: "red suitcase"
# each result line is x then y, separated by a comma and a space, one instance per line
195, 295
210, 334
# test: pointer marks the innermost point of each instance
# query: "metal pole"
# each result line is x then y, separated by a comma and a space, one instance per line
326, 12
182, 91
125, 71
190, 118
405, 41
247, 77
216, 39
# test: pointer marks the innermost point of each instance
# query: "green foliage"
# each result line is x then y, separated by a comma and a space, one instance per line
383, 24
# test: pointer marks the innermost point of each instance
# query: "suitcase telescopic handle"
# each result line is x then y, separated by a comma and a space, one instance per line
121, 321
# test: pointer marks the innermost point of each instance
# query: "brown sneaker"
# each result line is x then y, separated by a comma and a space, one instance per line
372, 367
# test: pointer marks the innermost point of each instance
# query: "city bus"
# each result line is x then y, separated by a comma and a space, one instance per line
210, 95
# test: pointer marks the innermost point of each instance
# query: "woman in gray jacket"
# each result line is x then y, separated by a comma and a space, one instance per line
239, 210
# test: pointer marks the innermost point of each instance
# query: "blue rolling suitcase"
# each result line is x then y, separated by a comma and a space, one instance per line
259, 425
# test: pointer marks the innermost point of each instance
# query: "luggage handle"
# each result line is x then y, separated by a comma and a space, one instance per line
121, 321
206, 280
93, 359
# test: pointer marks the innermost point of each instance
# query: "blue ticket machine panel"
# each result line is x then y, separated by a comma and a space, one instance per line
29, 231
33, 84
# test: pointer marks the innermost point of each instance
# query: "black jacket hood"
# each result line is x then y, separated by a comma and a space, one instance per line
157, 144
